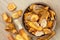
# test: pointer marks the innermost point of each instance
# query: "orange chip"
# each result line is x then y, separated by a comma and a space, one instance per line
50, 24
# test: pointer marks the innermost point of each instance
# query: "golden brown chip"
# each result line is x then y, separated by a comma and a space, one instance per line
46, 8
9, 20
51, 35
24, 34
19, 37
11, 6
14, 31
17, 14
31, 7
6, 18
50, 24
47, 31
32, 25
11, 25
52, 14
34, 17
45, 15
27, 16
31, 30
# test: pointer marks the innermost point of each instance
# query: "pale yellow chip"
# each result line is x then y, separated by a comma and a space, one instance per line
18, 37
24, 34
52, 14
11, 6
31, 24
17, 14
34, 17
6, 18
47, 31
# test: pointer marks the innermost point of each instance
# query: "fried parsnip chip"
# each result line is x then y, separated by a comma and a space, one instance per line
17, 14
32, 25
34, 17
52, 14
11, 28
11, 25
19, 37
24, 35
11, 6
47, 31
31, 30
6, 18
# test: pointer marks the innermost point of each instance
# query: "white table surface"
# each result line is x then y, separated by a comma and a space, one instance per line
23, 4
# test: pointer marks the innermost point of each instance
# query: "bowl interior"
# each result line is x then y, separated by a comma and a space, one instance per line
43, 4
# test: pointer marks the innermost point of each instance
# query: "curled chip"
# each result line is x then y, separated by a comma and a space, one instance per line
37, 8
27, 16
24, 35
17, 14
43, 23
34, 17
31, 17
11, 28
51, 35
11, 6
31, 24
6, 18
52, 14
11, 25
31, 30
47, 31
